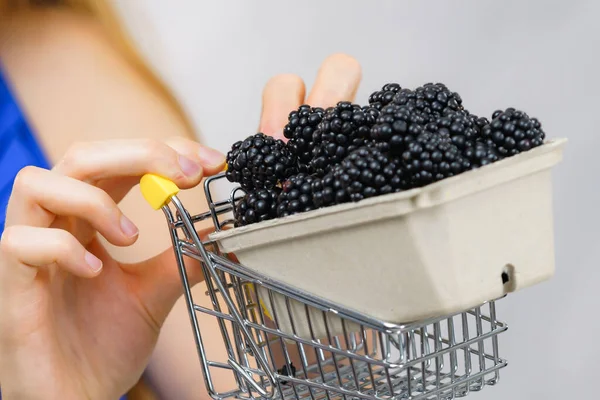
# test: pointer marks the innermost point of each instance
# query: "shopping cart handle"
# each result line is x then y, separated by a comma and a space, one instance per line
157, 190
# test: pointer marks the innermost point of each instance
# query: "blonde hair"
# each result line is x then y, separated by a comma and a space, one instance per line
104, 14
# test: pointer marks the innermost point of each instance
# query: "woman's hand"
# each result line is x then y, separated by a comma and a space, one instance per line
74, 323
337, 80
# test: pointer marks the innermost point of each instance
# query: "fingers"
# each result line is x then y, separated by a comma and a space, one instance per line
212, 161
94, 161
281, 95
39, 195
337, 80
31, 248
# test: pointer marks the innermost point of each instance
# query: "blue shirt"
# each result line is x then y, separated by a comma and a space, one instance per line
18, 147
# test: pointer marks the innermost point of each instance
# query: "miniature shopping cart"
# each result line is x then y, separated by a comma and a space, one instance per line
285, 339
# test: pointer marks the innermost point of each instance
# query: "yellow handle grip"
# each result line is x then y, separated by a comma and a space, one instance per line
157, 190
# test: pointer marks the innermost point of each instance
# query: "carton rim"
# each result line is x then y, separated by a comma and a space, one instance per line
393, 204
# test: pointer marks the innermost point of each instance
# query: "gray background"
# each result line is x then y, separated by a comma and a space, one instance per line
540, 56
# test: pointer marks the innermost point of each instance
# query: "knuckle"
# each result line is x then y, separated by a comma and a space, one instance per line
24, 178
182, 145
74, 155
9, 241
76, 151
155, 148
177, 141
102, 202
163, 157
65, 246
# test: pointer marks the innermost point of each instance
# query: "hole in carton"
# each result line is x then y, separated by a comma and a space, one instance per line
508, 278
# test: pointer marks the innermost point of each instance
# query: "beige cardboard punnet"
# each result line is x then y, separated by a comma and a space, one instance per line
417, 254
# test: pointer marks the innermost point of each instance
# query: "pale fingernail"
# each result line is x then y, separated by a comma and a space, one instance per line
128, 227
93, 262
189, 167
211, 157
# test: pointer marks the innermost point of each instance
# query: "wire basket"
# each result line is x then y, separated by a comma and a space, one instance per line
441, 358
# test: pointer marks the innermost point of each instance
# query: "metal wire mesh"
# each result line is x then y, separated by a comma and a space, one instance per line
268, 331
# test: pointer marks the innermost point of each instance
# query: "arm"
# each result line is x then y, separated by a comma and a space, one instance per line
74, 86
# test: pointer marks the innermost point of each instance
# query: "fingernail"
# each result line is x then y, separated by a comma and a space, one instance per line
94, 262
189, 167
211, 157
128, 227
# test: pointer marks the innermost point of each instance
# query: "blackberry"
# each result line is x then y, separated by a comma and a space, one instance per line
397, 126
326, 155
461, 126
433, 137
260, 162
328, 191
383, 97
344, 128
513, 131
481, 153
300, 128
478, 122
364, 173
432, 99
296, 195
256, 206
430, 158
288, 371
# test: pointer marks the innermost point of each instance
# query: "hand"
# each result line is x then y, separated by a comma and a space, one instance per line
337, 80
74, 323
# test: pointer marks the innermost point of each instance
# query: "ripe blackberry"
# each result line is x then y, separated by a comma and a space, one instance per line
324, 156
430, 158
364, 173
300, 128
462, 127
481, 153
397, 126
478, 122
291, 371
432, 99
259, 162
328, 191
344, 128
296, 195
256, 206
513, 132
383, 97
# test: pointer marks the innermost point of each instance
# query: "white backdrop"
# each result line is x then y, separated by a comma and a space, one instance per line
540, 56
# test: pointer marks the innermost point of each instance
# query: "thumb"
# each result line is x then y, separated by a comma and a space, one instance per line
160, 284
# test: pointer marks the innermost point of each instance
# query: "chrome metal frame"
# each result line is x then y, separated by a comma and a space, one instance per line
441, 358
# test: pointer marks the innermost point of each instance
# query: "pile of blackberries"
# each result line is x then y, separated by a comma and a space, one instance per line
402, 139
